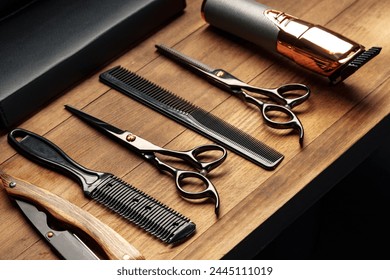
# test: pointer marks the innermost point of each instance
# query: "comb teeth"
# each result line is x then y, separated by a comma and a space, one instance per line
143, 210
157, 93
251, 145
191, 116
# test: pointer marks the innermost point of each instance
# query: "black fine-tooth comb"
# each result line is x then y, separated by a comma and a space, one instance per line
191, 116
126, 200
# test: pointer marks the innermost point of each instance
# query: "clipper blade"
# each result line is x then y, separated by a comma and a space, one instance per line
354, 65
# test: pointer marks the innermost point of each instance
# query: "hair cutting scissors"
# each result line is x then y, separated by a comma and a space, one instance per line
203, 158
285, 97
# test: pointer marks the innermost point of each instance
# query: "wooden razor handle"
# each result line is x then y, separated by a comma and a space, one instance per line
113, 244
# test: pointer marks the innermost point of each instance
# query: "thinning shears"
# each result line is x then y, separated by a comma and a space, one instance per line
285, 97
203, 158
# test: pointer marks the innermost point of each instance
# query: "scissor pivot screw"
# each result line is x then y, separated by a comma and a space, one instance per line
12, 184
203, 172
50, 234
131, 137
220, 73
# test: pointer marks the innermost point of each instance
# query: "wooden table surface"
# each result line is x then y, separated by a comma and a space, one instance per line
335, 118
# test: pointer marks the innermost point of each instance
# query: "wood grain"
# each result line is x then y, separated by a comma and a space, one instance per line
113, 245
335, 119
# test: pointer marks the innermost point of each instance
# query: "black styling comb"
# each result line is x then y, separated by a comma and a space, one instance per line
126, 200
191, 116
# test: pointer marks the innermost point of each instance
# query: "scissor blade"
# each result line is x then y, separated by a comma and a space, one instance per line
216, 76
95, 122
186, 61
67, 244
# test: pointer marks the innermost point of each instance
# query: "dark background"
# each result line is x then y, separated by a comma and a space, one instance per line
351, 222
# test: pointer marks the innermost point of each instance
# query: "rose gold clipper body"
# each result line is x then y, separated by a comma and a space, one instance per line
311, 46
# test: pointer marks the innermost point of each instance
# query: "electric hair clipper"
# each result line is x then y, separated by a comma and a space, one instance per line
311, 46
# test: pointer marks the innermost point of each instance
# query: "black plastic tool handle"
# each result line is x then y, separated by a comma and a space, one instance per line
46, 153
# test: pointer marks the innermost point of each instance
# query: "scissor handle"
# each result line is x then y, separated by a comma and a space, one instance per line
300, 91
198, 157
194, 158
208, 189
281, 94
197, 154
293, 122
